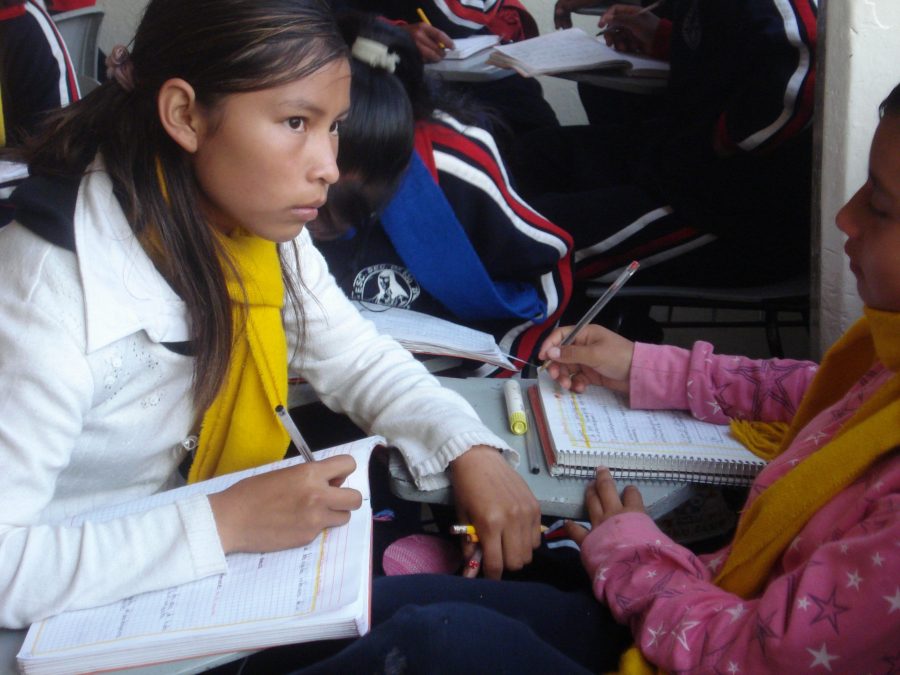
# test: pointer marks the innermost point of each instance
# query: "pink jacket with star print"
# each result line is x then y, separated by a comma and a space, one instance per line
831, 604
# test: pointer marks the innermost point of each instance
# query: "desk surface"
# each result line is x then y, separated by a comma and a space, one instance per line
562, 497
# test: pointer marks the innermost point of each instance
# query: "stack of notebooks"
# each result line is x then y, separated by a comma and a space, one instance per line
315, 592
580, 432
572, 50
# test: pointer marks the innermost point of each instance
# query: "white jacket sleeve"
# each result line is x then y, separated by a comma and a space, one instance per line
48, 393
376, 382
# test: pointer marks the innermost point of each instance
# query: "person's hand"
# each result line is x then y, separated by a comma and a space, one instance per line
285, 508
493, 497
597, 356
430, 41
562, 11
628, 29
603, 502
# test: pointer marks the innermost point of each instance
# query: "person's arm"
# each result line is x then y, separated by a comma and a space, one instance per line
49, 389
714, 387
381, 387
513, 241
717, 387
37, 71
776, 100
833, 599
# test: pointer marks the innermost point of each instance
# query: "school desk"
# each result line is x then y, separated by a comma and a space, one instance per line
558, 496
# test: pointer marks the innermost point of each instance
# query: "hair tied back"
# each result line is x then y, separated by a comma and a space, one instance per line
120, 67
375, 54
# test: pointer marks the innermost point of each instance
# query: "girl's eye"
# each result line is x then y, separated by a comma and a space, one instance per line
296, 123
335, 128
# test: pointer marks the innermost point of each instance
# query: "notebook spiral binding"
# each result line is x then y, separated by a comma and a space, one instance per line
625, 466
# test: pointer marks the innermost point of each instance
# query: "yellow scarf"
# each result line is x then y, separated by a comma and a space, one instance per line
767, 528
240, 429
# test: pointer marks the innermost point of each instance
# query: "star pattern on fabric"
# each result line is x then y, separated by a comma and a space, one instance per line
853, 579
661, 588
680, 632
877, 559
803, 603
894, 601
829, 609
736, 612
655, 634
762, 631
715, 563
821, 657
757, 374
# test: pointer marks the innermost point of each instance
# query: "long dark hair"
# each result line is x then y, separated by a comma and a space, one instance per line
220, 47
377, 136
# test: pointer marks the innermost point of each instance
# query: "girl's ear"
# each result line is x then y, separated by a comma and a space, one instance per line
179, 113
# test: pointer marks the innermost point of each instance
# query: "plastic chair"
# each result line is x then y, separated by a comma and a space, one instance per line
771, 300
79, 29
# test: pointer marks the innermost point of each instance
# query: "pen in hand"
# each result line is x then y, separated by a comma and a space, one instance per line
643, 10
599, 305
289, 426
424, 17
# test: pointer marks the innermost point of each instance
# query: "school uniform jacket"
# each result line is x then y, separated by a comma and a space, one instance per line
36, 73
742, 80
95, 402
513, 241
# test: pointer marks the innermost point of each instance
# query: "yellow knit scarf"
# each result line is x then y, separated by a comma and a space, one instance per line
240, 429
767, 528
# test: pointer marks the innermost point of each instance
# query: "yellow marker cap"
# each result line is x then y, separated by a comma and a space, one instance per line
517, 423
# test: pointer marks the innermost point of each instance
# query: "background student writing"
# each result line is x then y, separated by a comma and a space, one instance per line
156, 284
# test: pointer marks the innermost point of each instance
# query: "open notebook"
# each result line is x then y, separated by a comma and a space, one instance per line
571, 50
580, 432
425, 334
318, 591
465, 47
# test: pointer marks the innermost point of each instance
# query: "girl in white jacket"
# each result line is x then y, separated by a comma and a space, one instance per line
157, 285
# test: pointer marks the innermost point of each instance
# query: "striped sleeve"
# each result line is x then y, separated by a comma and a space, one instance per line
777, 102
513, 240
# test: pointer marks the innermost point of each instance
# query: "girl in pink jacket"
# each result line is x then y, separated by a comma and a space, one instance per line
811, 581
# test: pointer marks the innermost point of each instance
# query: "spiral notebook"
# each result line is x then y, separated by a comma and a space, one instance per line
580, 432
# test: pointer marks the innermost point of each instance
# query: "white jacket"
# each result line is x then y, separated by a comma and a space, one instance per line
93, 410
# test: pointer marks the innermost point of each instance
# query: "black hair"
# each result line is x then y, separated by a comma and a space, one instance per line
377, 136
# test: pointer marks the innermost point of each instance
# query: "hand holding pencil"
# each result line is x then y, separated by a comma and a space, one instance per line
596, 356
630, 28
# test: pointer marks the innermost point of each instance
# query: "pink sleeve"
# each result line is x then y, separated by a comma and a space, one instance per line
832, 604
717, 388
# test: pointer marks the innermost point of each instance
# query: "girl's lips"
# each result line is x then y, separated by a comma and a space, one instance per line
305, 213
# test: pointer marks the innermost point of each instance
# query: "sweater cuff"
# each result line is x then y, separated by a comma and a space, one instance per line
431, 473
202, 536
658, 377
621, 531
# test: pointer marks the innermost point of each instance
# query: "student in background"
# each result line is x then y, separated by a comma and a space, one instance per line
518, 101
810, 581
720, 172
158, 277
424, 216
36, 74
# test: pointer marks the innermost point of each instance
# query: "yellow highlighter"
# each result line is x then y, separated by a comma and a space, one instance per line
515, 407
424, 18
